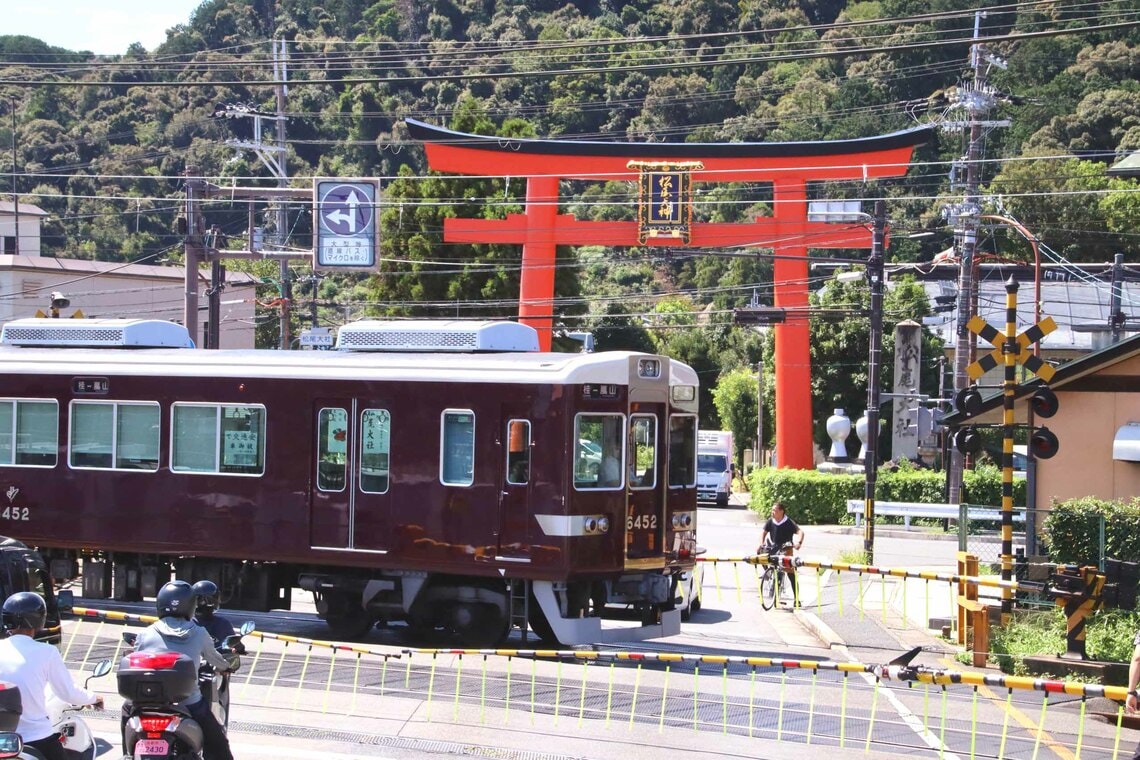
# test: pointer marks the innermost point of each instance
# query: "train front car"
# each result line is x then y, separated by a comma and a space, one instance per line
445, 475
629, 521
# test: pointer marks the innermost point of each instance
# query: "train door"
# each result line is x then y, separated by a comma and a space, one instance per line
514, 495
645, 507
351, 481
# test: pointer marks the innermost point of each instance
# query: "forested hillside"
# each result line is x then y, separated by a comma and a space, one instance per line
100, 143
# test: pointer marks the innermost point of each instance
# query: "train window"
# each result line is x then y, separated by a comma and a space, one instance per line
642, 451
332, 449
215, 438
457, 448
518, 452
114, 435
29, 433
682, 450
375, 444
599, 451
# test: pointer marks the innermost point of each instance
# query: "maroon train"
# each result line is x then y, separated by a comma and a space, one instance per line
444, 474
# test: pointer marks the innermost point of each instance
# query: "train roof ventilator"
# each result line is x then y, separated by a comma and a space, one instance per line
95, 333
458, 336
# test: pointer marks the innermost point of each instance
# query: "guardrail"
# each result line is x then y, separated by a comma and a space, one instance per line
910, 509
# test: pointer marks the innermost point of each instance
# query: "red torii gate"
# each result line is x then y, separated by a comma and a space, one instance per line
789, 167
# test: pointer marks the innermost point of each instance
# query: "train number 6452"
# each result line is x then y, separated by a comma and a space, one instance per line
641, 522
14, 513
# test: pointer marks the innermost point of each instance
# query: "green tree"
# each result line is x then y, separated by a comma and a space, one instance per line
735, 399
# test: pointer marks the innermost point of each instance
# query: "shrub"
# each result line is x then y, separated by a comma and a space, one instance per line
1072, 530
815, 498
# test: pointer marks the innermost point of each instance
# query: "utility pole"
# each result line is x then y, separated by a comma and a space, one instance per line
977, 99
192, 249
280, 75
15, 189
875, 276
1115, 315
273, 156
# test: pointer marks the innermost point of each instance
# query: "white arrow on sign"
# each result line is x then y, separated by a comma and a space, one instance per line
346, 217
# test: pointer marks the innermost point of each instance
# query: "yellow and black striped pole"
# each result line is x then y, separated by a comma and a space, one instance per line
1010, 350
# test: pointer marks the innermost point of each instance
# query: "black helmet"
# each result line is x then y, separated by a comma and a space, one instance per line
207, 593
24, 610
175, 599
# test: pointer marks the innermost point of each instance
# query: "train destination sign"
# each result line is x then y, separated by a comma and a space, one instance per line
346, 230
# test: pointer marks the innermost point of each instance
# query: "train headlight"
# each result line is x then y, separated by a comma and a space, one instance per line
684, 393
603, 525
682, 521
591, 525
649, 368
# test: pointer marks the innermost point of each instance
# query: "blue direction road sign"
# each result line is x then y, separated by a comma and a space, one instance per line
346, 224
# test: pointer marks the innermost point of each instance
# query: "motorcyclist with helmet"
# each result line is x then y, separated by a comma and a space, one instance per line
35, 666
205, 615
176, 631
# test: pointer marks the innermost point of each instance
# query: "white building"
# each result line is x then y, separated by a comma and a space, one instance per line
109, 289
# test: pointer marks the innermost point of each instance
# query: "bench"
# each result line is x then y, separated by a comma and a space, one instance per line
908, 509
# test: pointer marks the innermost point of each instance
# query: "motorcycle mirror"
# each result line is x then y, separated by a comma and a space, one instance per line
247, 628
102, 668
65, 600
11, 745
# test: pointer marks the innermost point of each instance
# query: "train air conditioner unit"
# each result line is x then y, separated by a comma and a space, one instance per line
95, 333
454, 336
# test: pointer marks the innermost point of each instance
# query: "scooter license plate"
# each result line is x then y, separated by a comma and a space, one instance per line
149, 747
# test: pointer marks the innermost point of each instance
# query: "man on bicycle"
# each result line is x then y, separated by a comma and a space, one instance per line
779, 531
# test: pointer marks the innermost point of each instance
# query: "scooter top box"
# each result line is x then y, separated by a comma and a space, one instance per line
10, 706
157, 677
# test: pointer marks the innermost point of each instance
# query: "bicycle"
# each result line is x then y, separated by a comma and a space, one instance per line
774, 575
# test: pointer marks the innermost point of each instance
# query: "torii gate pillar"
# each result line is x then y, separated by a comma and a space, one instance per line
789, 167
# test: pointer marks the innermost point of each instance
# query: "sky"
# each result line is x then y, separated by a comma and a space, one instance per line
101, 26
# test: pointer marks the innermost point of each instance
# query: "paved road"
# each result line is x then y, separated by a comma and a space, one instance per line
295, 700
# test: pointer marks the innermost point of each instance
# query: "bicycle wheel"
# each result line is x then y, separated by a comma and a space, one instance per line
768, 588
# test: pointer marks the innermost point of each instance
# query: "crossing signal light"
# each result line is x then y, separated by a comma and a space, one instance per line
1043, 443
968, 401
968, 440
1044, 402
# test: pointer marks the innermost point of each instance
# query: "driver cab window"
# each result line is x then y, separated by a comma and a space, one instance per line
599, 452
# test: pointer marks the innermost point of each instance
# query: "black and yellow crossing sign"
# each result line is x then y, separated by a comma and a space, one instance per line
1025, 357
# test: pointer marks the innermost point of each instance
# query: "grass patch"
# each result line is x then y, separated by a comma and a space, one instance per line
854, 557
1108, 637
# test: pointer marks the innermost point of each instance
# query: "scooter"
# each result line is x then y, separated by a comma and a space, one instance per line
11, 707
216, 686
77, 739
158, 726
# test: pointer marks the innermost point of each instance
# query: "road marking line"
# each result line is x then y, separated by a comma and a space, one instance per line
1026, 722
909, 718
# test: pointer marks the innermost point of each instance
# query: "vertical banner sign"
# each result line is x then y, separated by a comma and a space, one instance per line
665, 199
346, 229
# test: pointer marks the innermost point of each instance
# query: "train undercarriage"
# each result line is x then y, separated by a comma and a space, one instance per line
468, 610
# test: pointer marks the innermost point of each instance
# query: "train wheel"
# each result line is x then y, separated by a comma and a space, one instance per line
345, 620
479, 625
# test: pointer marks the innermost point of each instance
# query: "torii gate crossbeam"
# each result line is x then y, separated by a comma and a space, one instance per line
789, 167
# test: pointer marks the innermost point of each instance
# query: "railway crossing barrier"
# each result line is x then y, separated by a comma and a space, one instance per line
824, 702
